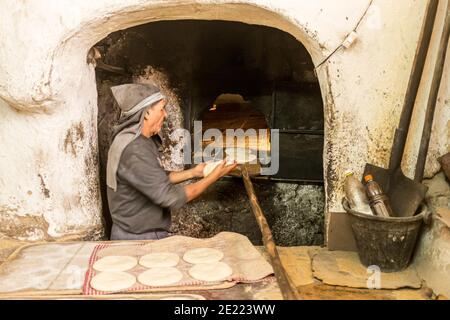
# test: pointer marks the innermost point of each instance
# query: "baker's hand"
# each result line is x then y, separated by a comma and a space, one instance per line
198, 170
223, 169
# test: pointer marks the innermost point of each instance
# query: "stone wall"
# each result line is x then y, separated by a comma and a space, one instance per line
432, 258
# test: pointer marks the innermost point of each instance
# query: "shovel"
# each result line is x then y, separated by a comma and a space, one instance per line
405, 194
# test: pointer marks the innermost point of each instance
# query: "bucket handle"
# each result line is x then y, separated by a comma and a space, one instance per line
427, 216
345, 204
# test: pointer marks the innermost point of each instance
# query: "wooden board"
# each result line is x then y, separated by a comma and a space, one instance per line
237, 116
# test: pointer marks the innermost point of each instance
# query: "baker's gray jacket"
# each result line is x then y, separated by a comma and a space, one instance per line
144, 192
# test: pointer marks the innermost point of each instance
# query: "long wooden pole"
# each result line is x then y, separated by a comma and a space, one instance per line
432, 99
287, 287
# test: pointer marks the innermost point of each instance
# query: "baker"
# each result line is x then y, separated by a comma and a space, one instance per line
140, 192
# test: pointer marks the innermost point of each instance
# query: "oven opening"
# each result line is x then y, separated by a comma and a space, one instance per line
229, 75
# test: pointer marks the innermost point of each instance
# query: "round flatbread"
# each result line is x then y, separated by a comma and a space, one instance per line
157, 277
159, 260
240, 155
112, 281
211, 271
210, 168
203, 255
115, 263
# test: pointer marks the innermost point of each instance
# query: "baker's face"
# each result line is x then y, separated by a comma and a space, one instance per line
155, 116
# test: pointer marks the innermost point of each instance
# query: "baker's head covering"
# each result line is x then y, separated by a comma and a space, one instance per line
133, 100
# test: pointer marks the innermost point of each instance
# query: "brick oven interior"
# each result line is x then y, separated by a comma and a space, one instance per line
225, 73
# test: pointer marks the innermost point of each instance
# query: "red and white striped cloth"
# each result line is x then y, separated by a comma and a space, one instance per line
240, 274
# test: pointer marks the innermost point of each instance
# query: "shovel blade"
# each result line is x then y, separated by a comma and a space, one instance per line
405, 194
380, 175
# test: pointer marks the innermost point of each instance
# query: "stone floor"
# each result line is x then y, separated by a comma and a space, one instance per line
317, 274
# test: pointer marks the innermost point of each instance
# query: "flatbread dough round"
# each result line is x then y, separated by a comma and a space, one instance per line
203, 255
240, 155
113, 281
159, 260
211, 271
210, 168
115, 263
157, 277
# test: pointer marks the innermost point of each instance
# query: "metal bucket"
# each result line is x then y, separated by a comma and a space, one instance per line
386, 242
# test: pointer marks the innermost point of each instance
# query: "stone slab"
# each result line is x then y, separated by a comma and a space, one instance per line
443, 214
341, 268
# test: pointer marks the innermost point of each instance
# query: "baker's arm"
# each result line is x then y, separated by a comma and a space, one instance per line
150, 179
193, 190
181, 176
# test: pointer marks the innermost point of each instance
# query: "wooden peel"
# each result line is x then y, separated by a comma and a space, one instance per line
253, 170
287, 287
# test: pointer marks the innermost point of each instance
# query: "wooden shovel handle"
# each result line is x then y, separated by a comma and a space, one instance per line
287, 287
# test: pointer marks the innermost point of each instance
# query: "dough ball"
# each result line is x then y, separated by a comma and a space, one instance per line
115, 263
112, 281
211, 271
203, 255
160, 277
158, 260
